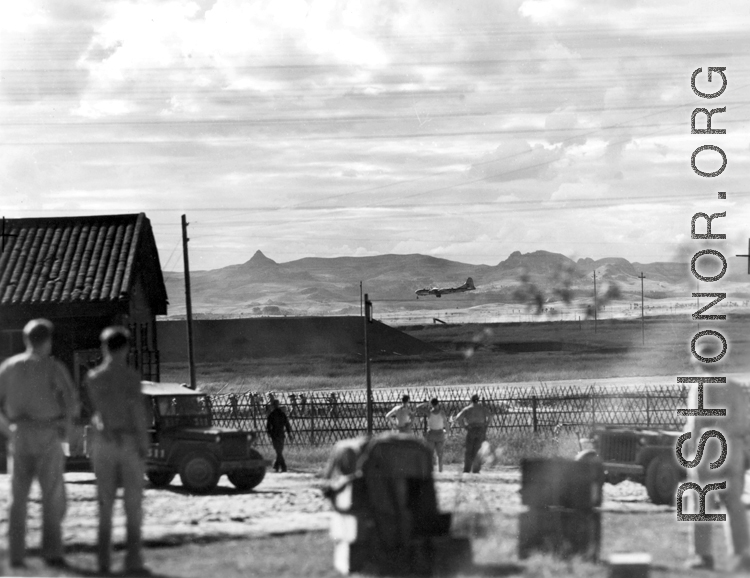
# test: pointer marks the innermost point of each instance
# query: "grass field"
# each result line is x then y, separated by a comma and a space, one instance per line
310, 554
494, 353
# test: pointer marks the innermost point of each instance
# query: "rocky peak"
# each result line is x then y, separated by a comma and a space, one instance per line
260, 260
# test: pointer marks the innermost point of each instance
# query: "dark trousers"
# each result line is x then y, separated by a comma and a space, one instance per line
475, 436
278, 446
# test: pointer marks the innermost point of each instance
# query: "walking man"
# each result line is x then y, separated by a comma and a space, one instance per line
475, 418
38, 403
120, 445
402, 415
276, 425
735, 427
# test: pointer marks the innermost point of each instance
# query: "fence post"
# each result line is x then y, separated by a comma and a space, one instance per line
313, 410
592, 392
648, 410
533, 413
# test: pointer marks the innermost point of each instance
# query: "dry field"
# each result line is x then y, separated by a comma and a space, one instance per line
278, 530
492, 353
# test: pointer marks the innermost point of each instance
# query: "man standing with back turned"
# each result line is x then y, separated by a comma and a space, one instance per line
735, 427
38, 399
475, 417
120, 445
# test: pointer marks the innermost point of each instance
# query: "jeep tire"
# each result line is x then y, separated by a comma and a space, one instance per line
160, 478
199, 472
249, 478
662, 479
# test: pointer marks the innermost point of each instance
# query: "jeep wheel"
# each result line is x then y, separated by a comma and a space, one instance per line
160, 479
248, 479
662, 479
199, 472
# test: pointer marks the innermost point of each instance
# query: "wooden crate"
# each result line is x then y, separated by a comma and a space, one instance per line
424, 556
562, 483
560, 531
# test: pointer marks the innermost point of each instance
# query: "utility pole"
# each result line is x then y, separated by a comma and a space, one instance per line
595, 303
361, 311
188, 304
367, 321
643, 329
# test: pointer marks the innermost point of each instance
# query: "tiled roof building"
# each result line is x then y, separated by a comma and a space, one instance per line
82, 273
68, 261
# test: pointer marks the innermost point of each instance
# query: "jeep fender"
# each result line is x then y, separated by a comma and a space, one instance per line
179, 450
648, 453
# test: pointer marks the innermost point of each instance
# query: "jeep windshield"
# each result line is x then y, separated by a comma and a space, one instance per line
183, 410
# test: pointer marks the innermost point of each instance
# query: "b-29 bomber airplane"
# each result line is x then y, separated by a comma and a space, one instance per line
438, 291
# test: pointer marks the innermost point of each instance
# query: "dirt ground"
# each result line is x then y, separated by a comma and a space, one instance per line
279, 528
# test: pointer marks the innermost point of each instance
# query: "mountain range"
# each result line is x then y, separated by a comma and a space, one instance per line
325, 286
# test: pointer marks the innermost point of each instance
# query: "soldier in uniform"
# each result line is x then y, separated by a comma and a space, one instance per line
475, 418
120, 445
403, 415
735, 427
38, 403
276, 424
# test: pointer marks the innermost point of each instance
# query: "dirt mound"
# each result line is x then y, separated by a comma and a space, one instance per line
225, 339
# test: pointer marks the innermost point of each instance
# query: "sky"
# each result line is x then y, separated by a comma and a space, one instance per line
460, 129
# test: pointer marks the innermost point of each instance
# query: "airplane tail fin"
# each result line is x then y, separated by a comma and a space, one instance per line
470, 283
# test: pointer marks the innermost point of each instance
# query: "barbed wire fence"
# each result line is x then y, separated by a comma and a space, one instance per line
324, 417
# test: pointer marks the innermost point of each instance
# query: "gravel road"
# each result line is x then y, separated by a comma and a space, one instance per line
282, 503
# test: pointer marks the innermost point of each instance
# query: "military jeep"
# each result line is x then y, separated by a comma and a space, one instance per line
645, 456
184, 441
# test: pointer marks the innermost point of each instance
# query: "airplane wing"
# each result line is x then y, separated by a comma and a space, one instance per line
438, 291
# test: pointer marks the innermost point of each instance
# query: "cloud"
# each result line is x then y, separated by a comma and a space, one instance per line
516, 159
310, 127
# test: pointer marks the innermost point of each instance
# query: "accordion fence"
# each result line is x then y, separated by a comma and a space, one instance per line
326, 417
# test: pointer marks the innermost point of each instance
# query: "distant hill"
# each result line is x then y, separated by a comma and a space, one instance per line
331, 286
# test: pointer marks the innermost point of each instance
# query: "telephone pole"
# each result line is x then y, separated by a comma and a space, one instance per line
188, 304
595, 303
643, 329
367, 320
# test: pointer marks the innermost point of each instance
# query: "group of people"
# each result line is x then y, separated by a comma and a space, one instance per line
38, 406
475, 417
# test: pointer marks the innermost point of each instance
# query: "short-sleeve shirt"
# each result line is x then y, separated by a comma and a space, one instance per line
402, 414
115, 392
735, 427
473, 415
36, 388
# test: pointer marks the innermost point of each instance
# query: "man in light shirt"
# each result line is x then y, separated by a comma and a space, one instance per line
120, 443
402, 415
475, 418
38, 403
735, 427
436, 423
